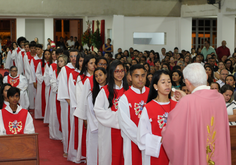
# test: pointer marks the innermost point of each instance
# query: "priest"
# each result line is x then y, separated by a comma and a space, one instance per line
197, 130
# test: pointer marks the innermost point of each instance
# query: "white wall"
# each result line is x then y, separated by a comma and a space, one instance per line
35, 28
48, 30
178, 32
20, 27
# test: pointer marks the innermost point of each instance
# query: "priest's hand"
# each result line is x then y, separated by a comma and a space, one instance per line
35, 85
85, 124
179, 94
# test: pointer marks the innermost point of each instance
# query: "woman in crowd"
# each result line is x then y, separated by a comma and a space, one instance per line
209, 73
14, 119
55, 107
154, 118
172, 63
228, 66
177, 77
107, 48
230, 80
3, 95
187, 60
147, 67
151, 59
110, 141
227, 92
215, 86
193, 53
157, 65
220, 66
165, 66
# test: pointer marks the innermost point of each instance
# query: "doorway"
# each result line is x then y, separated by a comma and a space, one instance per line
7, 29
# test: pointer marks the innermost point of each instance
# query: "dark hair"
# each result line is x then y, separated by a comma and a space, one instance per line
180, 74
134, 67
230, 76
12, 91
96, 87
183, 85
212, 71
177, 67
134, 60
20, 39
147, 80
156, 77
217, 84
12, 67
12, 45
80, 55
111, 82
1, 94
166, 65
148, 66
39, 46
59, 51
144, 58
102, 58
32, 44
43, 59
87, 58
226, 87
231, 67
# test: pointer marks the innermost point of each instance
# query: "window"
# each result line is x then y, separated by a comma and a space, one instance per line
158, 38
204, 29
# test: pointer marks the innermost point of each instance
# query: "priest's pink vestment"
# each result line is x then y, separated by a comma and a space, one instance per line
197, 130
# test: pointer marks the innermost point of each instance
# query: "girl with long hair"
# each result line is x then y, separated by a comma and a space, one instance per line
210, 74
110, 141
154, 118
177, 77
3, 95
55, 107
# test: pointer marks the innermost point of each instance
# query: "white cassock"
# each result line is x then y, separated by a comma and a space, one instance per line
19, 60
22, 85
11, 55
32, 90
14, 57
73, 80
46, 79
54, 132
85, 111
29, 125
107, 119
63, 94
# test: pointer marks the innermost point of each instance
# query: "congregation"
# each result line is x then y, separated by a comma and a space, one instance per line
112, 108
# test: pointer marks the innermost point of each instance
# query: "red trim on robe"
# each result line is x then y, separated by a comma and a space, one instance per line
13, 81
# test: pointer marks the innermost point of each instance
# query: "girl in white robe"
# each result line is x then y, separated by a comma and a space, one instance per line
54, 132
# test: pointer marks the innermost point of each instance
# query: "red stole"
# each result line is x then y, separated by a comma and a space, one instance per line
116, 139
54, 66
158, 116
4, 106
13, 81
58, 107
137, 102
84, 131
29, 56
14, 123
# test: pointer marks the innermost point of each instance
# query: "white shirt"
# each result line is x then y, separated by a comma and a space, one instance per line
70, 43
200, 88
220, 82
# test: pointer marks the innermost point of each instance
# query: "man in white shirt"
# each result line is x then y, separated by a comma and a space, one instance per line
70, 43
223, 74
162, 54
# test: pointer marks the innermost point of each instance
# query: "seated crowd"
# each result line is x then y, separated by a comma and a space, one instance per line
86, 97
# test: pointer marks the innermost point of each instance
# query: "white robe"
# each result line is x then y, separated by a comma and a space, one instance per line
63, 94
11, 56
19, 61
29, 125
127, 126
54, 132
107, 119
23, 84
46, 79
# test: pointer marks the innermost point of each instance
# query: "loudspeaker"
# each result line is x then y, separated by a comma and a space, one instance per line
211, 1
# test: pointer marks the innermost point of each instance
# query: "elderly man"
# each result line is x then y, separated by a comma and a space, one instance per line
19, 81
197, 130
222, 50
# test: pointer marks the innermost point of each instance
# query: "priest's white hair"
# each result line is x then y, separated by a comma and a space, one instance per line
196, 74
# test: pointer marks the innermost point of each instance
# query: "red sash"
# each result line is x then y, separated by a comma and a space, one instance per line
54, 66
116, 139
91, 82
157, 114
137, 102
84, 131
14, 123
13, 81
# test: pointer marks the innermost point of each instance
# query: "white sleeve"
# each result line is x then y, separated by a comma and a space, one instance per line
53, 82
46, 76
32, 75
27, 67
2, 128
29, 125
5, 79
72, 91
19, 63
127, 126
8, 60
39, 75
147, 142
23, 85
82, 94
92, 120
62, 86
105, 115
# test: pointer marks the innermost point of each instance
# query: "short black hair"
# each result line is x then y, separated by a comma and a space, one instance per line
12, 91
12, 67
39, 46
176, 68
59, 51
136, 66
226, 87
183, 85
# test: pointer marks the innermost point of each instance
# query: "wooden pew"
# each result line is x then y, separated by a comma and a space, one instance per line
233, 143
19, 149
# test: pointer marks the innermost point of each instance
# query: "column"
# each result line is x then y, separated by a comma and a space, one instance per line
185, 34
226, 30
48, 30
20, 27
